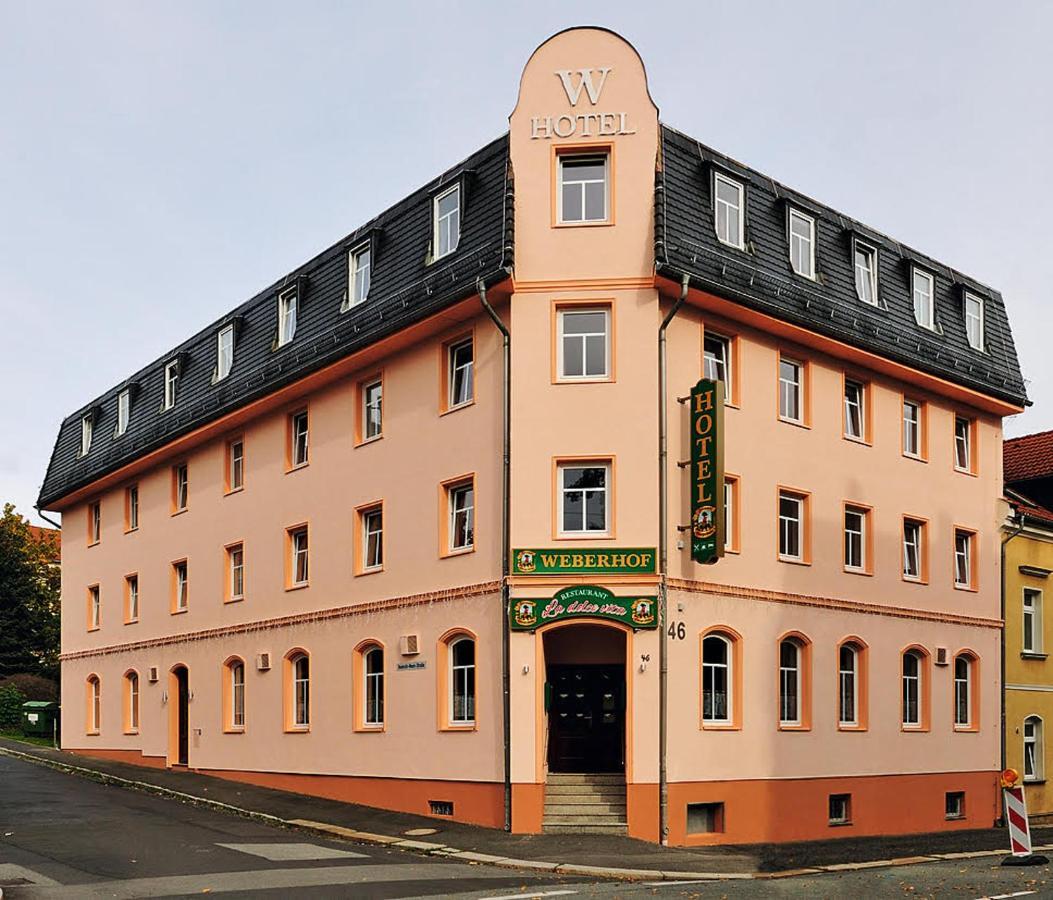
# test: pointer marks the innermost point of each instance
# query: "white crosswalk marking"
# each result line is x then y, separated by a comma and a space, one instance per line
293, 852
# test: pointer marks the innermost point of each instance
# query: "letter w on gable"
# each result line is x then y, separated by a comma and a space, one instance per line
593, 89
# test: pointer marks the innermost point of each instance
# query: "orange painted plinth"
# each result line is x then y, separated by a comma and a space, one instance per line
133, 757
798, 809
528, 808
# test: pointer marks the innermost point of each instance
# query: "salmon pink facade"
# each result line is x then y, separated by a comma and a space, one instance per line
415, 534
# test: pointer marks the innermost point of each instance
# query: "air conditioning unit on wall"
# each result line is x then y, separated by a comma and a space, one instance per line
263, 662
409, 644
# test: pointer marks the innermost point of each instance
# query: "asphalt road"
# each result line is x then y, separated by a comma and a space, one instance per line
64, 836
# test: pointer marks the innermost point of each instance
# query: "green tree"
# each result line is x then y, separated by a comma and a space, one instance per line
29, 599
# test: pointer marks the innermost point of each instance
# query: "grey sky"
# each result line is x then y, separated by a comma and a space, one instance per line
160, 163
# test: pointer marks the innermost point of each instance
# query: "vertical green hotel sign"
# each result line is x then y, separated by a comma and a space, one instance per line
707, 471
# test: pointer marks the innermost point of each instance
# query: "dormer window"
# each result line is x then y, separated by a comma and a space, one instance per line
974, 321
287, 302
224, 352
446, 221
923, 288
802, 244
87, 427
171, 378
865, 264
728, 205
358, 267
124, 409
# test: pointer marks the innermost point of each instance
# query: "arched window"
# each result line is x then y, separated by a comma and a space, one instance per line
848, 685
789, 682
1034, 753
298, 691
131, 702
236, 670
462, 681
913, 673
373, 669
964, 681
94, 717
717, 699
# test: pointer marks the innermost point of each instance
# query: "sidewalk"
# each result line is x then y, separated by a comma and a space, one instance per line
600, 855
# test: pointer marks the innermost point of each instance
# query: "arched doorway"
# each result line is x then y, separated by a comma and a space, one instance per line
585, 698
178, 715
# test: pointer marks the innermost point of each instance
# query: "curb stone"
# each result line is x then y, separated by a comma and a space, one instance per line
436, 849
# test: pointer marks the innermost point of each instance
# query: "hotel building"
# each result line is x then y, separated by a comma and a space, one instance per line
409, 527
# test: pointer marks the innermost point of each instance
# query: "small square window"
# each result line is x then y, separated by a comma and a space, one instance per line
447, 222
584, 343
583, 188
705, 818
954, 804
358, 270
840, 809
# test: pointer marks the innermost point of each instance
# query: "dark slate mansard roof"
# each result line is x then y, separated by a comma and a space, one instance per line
404, 289
761, 276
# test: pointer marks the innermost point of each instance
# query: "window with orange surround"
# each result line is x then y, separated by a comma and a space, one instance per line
297, 671
916, 689
131, 702
966, 691
795, 682
457, 661
852, 685
720, 652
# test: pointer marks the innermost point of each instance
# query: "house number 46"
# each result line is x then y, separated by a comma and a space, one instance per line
677, 631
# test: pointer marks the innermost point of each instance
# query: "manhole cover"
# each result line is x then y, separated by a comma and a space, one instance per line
420, 832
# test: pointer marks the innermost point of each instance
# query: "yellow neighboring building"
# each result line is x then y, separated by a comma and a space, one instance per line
1027, 570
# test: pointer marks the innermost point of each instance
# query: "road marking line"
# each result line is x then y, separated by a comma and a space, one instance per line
281, 852
530, 896
675, 883
1007, 896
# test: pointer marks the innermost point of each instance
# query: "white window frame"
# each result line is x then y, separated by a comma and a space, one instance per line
845, 816
738, 239
95, 511
974, 321
727, 668
464, 510
564, 158
124, 412
236, 569
94, 607
438, 221
912, 429
95, 718
718, 368
1031, 613
790, 684
301, 690
1036, 741
466, 371
299, 439
300, 561
924, 301
917, 681
359, 274
801, 263
288, 307
847, 678
459, 678
859, 405
562, 470
963, 557
182, 477
787, 523
87, 430
582, 338
236, 454
911, 526
372, 688
853, 536
133, 700
133, 597
731, 485
182, 573
963, 444
224, 351
372, 426
373, 527
791, 390
866, 275
963, 690
171, 383
133, 507
237, 694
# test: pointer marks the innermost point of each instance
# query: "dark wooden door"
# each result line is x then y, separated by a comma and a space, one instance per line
184, 715
586, 718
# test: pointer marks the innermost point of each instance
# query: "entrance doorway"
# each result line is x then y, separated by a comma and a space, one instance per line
585, 699
179, 724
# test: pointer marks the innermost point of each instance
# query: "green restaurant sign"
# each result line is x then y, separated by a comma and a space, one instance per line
615, 561
580, 602
707, 471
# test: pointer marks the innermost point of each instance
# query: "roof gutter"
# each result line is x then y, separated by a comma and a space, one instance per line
40, 513
663, 567
506, 536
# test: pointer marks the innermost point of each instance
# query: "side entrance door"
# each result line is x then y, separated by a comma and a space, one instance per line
586, 709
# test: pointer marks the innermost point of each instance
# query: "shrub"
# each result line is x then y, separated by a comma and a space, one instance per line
11, 700
35, 687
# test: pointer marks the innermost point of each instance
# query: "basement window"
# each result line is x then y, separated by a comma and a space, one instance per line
955, 804
705, 818
840, 809
441, 807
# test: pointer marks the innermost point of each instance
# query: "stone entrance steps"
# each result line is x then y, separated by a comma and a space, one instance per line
584, 804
